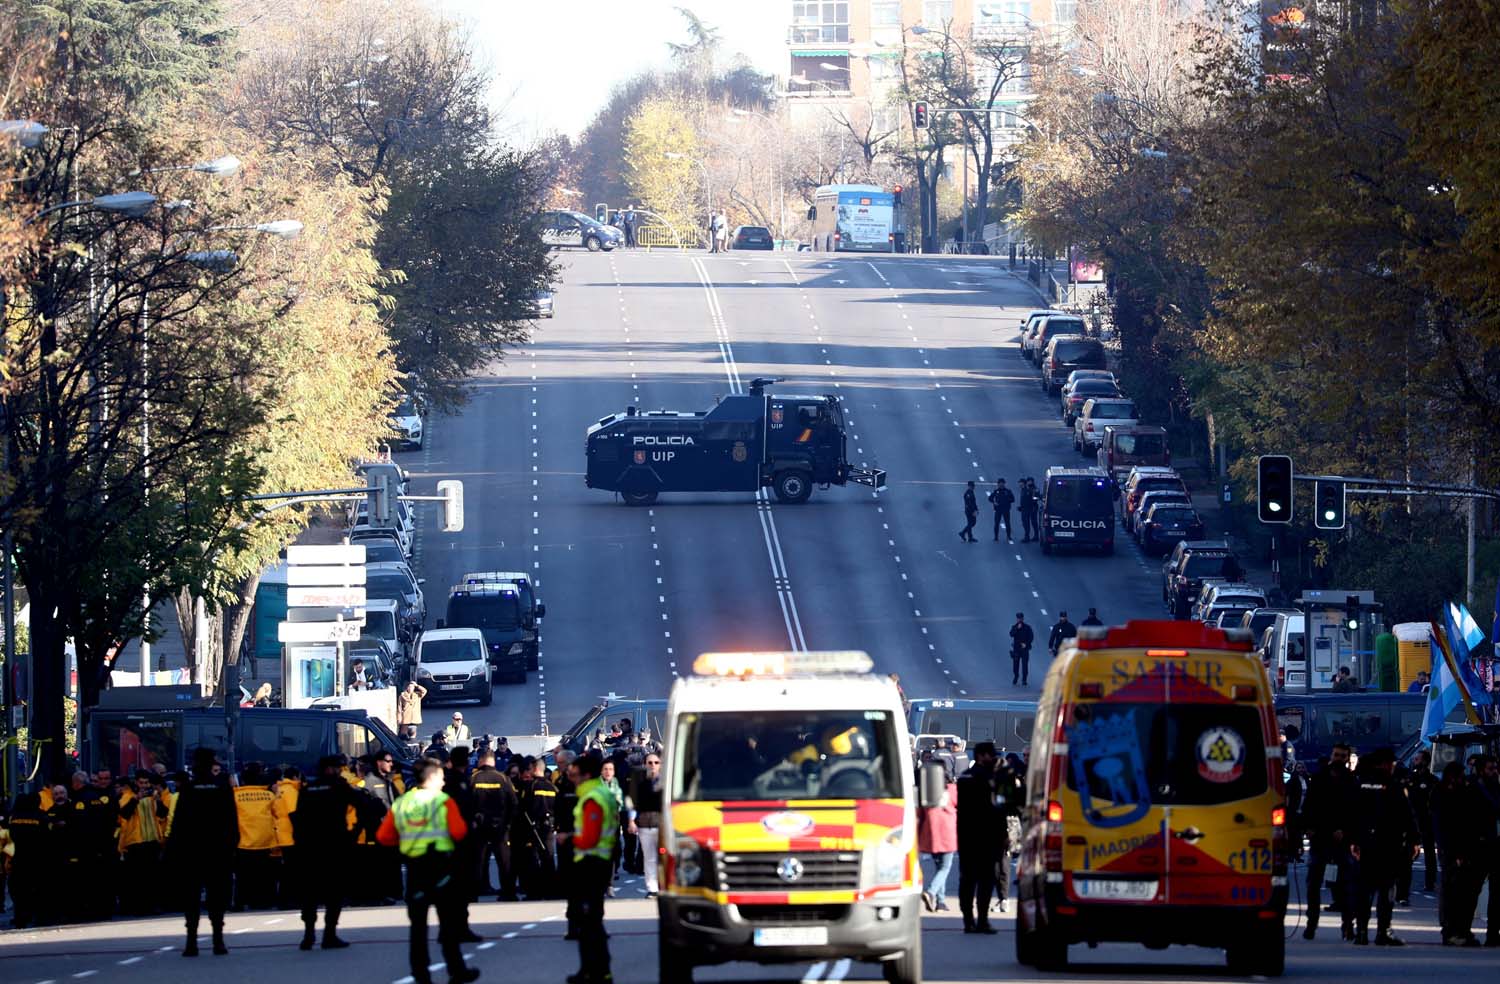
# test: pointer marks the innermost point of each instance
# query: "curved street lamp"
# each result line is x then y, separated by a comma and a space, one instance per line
24, 133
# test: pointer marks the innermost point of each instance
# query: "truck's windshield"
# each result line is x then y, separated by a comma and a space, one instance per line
781, 755
496, 611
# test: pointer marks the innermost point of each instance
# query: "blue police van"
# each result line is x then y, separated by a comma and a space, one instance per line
1007, 723
1314, 723
1077, 510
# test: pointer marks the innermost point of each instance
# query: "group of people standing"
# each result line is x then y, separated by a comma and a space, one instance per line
974, 820
718, 232
1002, 500
1369, 824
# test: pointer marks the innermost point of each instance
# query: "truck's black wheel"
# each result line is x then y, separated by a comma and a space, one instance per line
673, 966
639, 498
793, 486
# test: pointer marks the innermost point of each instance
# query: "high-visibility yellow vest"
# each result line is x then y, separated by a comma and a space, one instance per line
595, 790
252, 804
421, 818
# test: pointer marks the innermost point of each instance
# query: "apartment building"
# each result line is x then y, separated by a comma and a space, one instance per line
846, 55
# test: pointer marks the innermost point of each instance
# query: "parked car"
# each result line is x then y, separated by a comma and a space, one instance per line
1088, 429
1187, 566
564, 228
1077, 392
1066, 353
750, 237
544, 304
396, 581
1124, 446
1227, 596
1143, 479
1048, 328
1029, 324
1167, 523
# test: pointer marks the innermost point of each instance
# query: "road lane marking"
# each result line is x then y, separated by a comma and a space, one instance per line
128, 961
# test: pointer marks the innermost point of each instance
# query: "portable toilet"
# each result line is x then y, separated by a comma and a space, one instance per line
1413, 649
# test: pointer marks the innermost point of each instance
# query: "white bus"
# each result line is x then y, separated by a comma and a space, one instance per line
853, 218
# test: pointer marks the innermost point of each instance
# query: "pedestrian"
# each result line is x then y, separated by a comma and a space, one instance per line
1486, 784
1328, 811
937, 840
1385, 838
643, 807
721, 233
1028, 503
325, 849
1002, 499
254, 881
630, 227
386, 785
535, 830
1420, 784
1296, 801
1021, 638
494, 814
93, 829
971, 514
565, 781
207, 827
1010, 800
1419, 685
1456, 827
425, 826
284, 793
143, 815
409, 706
595, 825
456, 733
981, 839
1343, 682
358, 678
608, 773
1093, 618
31, 858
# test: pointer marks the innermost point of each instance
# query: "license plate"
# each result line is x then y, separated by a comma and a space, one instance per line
1114, 888
1062, 532
451, 686
792, 936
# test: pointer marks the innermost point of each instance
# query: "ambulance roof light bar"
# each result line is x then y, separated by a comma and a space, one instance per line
771, 664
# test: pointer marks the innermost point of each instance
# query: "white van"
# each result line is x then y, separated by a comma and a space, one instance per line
452, 664
1284, 649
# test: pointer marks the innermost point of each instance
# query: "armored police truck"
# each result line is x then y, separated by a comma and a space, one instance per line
745, 443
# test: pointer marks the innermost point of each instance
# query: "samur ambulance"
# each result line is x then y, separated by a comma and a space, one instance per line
788, 817
1155, 810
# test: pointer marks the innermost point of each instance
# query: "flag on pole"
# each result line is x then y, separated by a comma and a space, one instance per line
1443, 693
1464, 637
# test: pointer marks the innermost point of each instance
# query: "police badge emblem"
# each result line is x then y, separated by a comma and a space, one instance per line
777, 415
640, 457
738, 452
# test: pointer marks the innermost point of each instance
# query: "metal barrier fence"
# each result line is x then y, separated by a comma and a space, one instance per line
663, 237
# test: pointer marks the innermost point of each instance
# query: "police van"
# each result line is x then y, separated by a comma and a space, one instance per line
532, 611
788, 827
1155, 811
494, 609
1077, 510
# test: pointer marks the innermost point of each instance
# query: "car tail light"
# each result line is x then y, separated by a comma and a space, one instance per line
1281, 678
1054, 812
1278, 817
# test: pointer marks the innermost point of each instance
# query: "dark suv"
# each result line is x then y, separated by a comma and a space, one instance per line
1066, 353
1185, 568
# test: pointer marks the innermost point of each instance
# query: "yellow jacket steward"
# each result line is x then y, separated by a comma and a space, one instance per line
252, 804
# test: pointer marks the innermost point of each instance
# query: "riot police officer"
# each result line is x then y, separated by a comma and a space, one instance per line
325, 848
205, 834
533, 831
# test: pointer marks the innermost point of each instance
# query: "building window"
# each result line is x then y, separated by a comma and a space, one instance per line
1002, 13
815, 21
936, 13
885, 13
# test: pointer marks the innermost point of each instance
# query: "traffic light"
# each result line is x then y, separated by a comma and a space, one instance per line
1329, 499
380, 499
896, 195
919, 115
1351, 612
1273, 488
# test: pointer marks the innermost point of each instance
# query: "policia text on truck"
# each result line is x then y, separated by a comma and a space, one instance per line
745, 443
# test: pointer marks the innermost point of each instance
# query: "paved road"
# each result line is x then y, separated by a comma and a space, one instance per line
922, 352
524, 944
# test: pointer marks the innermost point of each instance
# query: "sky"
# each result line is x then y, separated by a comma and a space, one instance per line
555, 61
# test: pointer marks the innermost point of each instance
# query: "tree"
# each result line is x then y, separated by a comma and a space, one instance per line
661, 147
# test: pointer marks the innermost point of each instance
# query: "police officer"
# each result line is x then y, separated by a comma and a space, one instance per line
325, 849
981, 839
1487, 826
971, 515
1327, 808
426, 826
596, 825
1420, 783
566, 783
1062, 631
1093, 618
1021, 638
533, 832
456, 785
1002, 499
92, 825
1028, 501
205, 833
495, 809
1385, 837
31, 835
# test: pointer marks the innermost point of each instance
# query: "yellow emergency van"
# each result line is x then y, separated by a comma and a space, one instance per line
1155, 811
788, 817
